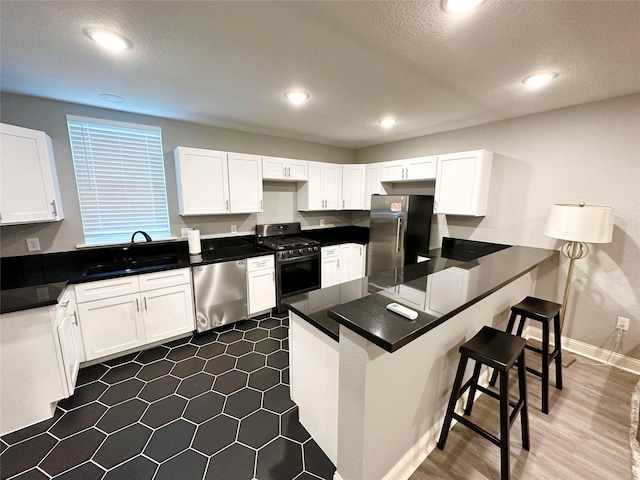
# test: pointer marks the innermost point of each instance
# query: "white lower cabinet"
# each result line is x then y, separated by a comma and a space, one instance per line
159, 306
330, 265
111, 326
261, 284
167, 312
342, 263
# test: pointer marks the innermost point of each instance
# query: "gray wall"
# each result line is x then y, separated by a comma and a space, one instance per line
588, 153
279, 197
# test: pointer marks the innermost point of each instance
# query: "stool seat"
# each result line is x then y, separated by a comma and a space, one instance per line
537, 309
494, 348
500, 351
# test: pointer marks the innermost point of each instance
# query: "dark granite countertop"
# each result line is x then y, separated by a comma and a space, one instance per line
23, 276
361, 305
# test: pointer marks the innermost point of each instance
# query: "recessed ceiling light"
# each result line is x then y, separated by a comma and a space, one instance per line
297, 97
457, 6
108, 39
111, 98
539, 79
387, 122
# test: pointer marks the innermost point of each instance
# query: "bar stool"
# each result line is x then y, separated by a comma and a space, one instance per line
544, 312
500, 351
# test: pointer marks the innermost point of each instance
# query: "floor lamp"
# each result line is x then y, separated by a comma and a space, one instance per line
578, 225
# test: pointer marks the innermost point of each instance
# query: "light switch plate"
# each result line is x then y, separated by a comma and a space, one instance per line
183, 232
234, 229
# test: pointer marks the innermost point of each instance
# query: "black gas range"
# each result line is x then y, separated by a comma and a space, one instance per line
297, 259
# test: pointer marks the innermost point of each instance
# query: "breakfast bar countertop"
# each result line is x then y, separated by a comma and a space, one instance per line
437, 289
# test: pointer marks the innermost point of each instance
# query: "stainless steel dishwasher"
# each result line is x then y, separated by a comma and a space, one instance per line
220, 291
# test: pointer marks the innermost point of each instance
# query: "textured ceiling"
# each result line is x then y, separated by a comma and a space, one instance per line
228, 64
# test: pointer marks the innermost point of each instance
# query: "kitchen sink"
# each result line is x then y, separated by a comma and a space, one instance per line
130, 265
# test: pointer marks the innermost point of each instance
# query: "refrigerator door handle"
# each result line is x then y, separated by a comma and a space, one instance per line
398, 228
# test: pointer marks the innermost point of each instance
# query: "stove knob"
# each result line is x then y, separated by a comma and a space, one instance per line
301, 250
310, 249
290, 252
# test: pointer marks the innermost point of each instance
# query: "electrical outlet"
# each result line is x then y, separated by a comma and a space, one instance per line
183, 232
622, 324
322, 222
234, 229
33, 244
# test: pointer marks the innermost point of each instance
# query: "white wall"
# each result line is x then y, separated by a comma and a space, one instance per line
279, 197
588, 153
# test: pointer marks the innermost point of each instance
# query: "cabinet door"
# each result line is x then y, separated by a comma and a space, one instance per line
70, 360
313, 188
202, 181
331, 185
245, 183
372, 184
353, 187
297, 170
28, 185
423, 168
330, 266
261, 292
111, 326
392, 171
462, 183
168, 312
352, 263
274, 168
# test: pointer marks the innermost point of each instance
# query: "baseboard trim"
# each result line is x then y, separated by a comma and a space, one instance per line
590, 351
410, 462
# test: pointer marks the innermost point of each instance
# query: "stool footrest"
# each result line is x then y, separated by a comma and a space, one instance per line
480, 431
493, 394
516, 410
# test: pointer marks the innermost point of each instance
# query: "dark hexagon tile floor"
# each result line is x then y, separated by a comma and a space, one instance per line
210, 407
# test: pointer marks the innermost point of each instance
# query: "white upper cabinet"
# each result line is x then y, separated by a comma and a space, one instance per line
284, 169
409, 169
353, 187
462, 184
372, 184
323, 188
211, 182
203, 188
29, 191
245, 183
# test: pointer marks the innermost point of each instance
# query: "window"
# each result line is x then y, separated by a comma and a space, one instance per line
120, 177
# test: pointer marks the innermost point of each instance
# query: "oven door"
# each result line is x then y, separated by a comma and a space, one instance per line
297, 275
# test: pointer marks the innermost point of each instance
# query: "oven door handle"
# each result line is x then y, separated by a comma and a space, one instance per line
298, 259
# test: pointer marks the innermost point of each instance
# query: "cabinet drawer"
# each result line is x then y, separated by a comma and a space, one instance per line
167, 278
260, 263
330, 251
86, 292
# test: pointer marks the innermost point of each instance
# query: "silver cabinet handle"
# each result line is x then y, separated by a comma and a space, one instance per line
260, 204
137, 305
145, 304
273, 276
64, 304
398, 226
75, 318
226, 203
284, 171
343, 203
55, 209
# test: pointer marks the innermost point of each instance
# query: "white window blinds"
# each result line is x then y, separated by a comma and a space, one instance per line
120, 177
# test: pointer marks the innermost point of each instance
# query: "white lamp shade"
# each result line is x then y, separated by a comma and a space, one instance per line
580, 223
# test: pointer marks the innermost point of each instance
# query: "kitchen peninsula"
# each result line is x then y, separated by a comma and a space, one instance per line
372, 386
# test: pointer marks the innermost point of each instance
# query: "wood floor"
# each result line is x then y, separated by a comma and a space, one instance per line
585, 436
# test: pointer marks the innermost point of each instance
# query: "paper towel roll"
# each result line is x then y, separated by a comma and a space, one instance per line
193, 237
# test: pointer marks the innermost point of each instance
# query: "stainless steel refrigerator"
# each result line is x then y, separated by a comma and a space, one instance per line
400, 226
